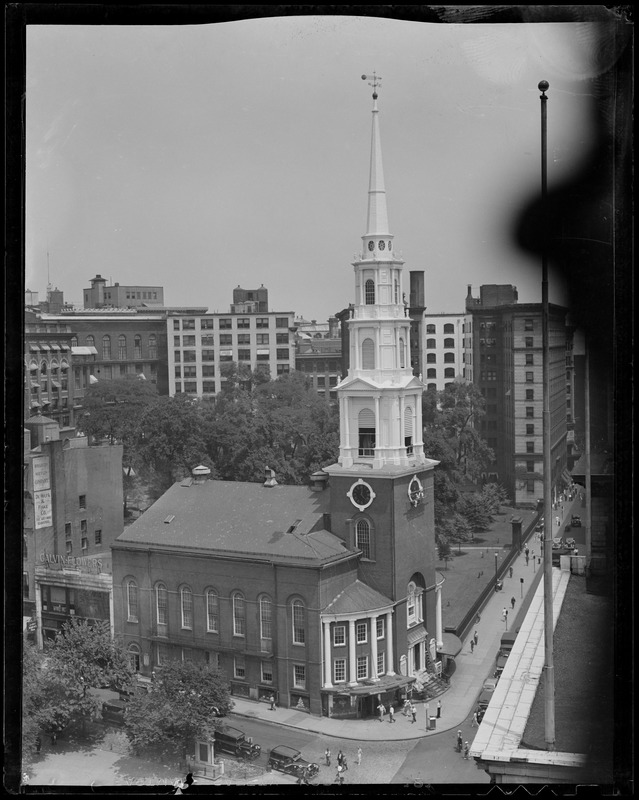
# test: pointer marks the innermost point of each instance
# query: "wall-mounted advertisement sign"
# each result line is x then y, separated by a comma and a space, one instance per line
42, 509
41, 479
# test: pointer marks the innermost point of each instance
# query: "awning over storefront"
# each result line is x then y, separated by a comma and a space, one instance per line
44, 346
55, 346
451, 645
387, 683
34, 348
566, 477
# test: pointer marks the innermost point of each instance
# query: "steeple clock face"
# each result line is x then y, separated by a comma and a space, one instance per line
361, 495
415, 491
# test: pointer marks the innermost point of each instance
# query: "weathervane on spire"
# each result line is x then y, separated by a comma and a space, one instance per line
373, 80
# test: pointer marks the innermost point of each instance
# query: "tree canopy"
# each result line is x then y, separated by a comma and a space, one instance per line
180, 706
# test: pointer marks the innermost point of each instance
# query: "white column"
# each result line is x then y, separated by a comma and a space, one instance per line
352, 659
390, 666
373, 629
327, 654
438, 615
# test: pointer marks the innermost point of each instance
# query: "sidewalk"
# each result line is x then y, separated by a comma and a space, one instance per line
457, 701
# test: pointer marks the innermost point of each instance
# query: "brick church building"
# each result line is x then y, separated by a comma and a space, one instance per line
327, 595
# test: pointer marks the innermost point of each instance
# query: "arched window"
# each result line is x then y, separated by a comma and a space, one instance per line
411, 603
265, 617
430, 329
431, 386
122, 347
431, 373
162, 604
137, 346
366, 429
431, 344
186, 597
431, 358
408, 430
132, 601
106, 347
449, 372
369, 292
239, 614
43, 368
402, 353
449, 358
449, 328
74, 341
363, 537
448, 343
90, 340
299, 622
133, 654
212, 611
368, 354
153, 346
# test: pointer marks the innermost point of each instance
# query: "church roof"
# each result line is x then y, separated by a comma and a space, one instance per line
357, 597
284, 523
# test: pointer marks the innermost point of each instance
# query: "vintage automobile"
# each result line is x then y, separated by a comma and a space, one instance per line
500, 664
575, 521
114, 711
490, 684
484, 698
288, 760
234, 741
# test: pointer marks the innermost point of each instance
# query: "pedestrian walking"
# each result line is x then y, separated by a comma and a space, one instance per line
472, 645
381, 710
359, 756
466, 750
527, 551
406, 710
54, 738
475, 638
474, 723
340, 758
38, 744
460, 741
439, 709
504, 613
327, 756
340, 776
391, 714
510, 572
513, 601
272, 702
344, 763
413, 713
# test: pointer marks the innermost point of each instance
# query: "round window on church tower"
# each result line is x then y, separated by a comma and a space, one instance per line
371, 245
382, 245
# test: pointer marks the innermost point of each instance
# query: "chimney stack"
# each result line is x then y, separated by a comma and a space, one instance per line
269, 476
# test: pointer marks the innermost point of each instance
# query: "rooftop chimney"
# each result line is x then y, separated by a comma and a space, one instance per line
269, 476
319, 480
200, 474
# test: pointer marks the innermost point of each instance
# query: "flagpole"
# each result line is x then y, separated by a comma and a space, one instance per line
549, 669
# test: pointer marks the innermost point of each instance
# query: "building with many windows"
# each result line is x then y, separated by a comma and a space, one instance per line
73, 511
326, 596
101, 295
318, 354
443, 349
200, 344
503, 358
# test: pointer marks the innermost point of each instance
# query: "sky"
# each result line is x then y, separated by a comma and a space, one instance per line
203, 157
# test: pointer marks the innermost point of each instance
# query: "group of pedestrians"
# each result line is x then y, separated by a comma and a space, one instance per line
473, 643
342, 763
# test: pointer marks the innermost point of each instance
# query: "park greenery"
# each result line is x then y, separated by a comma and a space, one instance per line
183, 704
59, 686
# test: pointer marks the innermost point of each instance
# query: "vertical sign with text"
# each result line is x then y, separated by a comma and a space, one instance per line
42, 504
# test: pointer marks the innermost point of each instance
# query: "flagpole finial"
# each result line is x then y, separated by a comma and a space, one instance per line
543, 86
374, 80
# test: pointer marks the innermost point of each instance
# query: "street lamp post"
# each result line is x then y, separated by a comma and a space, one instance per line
549, 672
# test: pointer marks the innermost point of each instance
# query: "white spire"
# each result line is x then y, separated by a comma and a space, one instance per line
377, 221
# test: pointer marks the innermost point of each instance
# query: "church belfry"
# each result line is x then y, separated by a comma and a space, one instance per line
380, 398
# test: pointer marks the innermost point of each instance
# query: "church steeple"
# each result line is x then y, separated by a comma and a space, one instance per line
380, 399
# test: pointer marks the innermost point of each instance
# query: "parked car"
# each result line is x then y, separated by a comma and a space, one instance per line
288, 760
557, 543
114, 711
490, 684
234, 741
484, 698
575, 521
500, 664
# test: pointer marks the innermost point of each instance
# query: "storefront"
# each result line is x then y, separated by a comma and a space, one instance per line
71, 588
361, 701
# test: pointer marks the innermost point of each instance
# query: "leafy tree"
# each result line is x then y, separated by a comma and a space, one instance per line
474, 509
181, 706
170, 442
495, 496
444, 552
113, 410
457, 529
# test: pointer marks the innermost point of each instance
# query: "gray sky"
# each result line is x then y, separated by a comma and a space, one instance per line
206, 156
